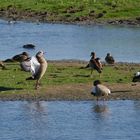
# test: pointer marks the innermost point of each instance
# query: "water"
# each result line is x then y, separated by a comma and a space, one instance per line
69, 120
61, 41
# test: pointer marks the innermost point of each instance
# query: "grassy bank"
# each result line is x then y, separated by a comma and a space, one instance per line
63, 80
71, 10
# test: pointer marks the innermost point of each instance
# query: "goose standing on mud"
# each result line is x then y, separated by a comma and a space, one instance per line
95, 63
99, 90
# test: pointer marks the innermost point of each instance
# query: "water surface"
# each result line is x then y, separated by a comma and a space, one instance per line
69, 120
61, 41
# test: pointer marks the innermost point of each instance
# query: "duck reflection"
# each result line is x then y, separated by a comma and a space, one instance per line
35, 107
101, 108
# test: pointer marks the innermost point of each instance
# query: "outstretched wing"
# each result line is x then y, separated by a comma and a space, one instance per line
35, 65
32, 65
26, 65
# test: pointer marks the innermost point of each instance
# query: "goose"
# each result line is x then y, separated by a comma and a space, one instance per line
95, 63
37, 65
21, 57
41, 69
136, 77
99, 89
109, 59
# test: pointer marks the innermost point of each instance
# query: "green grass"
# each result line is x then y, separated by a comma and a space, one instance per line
13, 79
71, 9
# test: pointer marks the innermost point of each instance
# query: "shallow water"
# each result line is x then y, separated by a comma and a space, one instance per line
69, 120
61, 41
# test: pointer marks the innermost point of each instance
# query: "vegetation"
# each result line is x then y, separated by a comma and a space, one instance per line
70, 10
13, 79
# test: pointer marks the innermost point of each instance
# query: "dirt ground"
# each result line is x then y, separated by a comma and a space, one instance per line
77, 92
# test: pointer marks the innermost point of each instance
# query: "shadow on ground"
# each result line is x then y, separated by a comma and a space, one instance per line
8, 88
121, 91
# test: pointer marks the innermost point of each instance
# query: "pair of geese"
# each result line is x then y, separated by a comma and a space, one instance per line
95, 63
98, 88
37, 65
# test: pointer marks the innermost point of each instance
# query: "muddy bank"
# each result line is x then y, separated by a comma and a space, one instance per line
12, 14
76, 91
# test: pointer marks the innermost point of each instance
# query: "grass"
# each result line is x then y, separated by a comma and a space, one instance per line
13, 79
71, 9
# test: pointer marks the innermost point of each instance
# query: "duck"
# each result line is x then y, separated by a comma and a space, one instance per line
100, 90
136, 77
95, 64
37, 65
41, 68
29, 46
109, 59
23, 58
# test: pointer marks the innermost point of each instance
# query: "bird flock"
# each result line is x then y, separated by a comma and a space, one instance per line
37, 66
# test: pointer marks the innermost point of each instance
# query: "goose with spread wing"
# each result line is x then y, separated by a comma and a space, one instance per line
37, 65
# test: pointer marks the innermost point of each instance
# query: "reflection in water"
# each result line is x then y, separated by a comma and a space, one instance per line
69, 120
34, 107
36, 112
101, 108
37, 118
101, 111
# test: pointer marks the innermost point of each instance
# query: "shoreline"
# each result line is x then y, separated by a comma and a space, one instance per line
125, 23
32, 17
73, 91
78, 92
83, 12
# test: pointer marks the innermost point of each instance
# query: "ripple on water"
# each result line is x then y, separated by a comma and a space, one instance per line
71, 120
